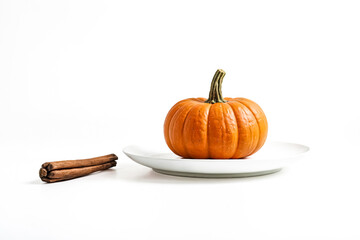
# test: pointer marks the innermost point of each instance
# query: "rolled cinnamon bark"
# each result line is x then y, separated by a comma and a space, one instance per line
50, 166
66, 174
65, 170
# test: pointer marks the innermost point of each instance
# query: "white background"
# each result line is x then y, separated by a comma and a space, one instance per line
82, 79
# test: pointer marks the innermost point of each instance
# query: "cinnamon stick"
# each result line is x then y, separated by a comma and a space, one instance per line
79, 163
65, 170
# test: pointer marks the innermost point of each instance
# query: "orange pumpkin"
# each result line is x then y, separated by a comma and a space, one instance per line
218, 127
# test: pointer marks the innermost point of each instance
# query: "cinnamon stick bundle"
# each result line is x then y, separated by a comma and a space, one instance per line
64, 170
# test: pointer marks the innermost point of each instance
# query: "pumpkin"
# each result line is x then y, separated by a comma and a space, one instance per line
216, 127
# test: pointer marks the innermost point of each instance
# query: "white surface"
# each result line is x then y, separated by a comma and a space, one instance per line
273, 156
86, 78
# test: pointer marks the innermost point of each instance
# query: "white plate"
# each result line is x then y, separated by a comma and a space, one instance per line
269, 159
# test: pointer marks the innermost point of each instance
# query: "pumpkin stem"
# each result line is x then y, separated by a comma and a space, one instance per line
215, 95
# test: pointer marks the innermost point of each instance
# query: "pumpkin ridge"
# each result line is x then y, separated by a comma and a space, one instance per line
178, 105
249, 114
182, 129
207, 133
226, 131
257, 122
195, 131
237, 126
169, 130
174, 119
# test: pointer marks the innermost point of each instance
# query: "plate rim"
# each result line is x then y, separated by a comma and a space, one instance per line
307, 149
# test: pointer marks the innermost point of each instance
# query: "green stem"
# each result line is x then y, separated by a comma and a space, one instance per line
215, 95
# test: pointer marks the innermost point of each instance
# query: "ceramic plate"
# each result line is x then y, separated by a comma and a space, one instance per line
271, 158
